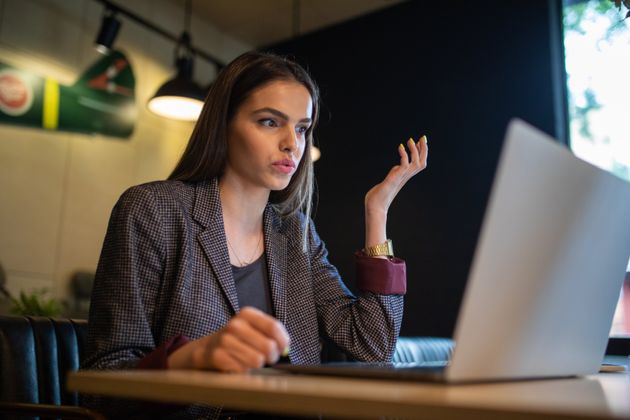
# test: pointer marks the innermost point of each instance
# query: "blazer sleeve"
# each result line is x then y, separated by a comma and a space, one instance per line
126, 284
365, 326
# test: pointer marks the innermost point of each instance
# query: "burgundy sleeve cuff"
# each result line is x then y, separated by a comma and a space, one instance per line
381, 276
158, 358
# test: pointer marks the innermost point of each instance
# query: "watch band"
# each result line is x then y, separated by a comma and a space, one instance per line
385, 249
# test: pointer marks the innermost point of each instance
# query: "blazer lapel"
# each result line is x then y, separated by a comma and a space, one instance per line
276, 251
207, 211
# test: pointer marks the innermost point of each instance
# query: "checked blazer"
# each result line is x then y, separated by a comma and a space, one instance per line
164, 270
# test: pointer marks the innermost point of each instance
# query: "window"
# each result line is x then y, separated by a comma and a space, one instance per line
597, 62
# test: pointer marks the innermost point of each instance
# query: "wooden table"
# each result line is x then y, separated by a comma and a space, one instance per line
602, 396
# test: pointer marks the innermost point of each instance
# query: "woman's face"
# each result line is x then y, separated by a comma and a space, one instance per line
267, 135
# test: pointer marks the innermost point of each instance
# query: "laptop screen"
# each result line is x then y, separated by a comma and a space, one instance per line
548, 266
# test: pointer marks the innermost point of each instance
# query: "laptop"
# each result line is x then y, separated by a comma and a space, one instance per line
546, 274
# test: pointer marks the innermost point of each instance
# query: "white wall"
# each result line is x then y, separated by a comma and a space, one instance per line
57, 189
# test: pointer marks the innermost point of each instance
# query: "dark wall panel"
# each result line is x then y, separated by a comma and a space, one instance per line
456, 71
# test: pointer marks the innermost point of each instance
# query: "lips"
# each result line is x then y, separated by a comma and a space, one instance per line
285, 166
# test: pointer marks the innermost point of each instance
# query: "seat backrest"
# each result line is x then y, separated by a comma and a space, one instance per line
36, 353
422, 349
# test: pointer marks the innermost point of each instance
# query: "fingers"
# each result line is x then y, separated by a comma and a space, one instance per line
415, 154
250, 340
242, 351
381, 195
419, 153
266, 347
423, 145
268, 326
223, 360
404, 157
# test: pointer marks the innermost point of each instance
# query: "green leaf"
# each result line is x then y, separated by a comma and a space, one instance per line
36, 304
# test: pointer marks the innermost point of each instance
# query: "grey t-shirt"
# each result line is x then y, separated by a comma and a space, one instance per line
252, 285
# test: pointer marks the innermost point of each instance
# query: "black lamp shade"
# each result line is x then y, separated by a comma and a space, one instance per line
179, 98
180, 86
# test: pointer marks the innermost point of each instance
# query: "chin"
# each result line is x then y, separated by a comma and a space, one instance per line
279, 185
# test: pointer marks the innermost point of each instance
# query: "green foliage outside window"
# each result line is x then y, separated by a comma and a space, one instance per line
596, 39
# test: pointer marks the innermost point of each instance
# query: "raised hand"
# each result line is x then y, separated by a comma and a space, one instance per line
380, 197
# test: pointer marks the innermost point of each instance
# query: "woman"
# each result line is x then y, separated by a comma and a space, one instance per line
220, 266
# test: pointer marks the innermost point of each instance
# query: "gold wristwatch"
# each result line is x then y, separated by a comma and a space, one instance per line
385, 249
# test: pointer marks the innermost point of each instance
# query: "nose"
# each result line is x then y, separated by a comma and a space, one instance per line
290, 140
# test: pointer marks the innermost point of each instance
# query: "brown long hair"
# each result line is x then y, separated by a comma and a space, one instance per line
206, 153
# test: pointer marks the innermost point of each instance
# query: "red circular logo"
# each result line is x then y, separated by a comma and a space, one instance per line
16, 95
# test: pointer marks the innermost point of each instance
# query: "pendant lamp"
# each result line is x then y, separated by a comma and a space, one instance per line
180, 98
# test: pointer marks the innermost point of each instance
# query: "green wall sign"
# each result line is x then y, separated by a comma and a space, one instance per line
101, 101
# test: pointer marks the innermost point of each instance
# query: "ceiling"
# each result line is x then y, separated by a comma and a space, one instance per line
264, 22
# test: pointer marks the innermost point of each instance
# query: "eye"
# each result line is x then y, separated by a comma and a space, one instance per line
268, 122
302, 129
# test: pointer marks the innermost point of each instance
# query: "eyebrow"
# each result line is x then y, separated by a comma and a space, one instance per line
279, 114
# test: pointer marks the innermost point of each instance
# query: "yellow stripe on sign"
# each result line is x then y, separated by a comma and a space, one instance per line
51, 105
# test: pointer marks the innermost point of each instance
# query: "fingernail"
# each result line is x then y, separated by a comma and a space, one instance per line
424, 139
285, 352
411, 140
401, 146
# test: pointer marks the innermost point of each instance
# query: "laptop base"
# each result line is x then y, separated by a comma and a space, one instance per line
420, 372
